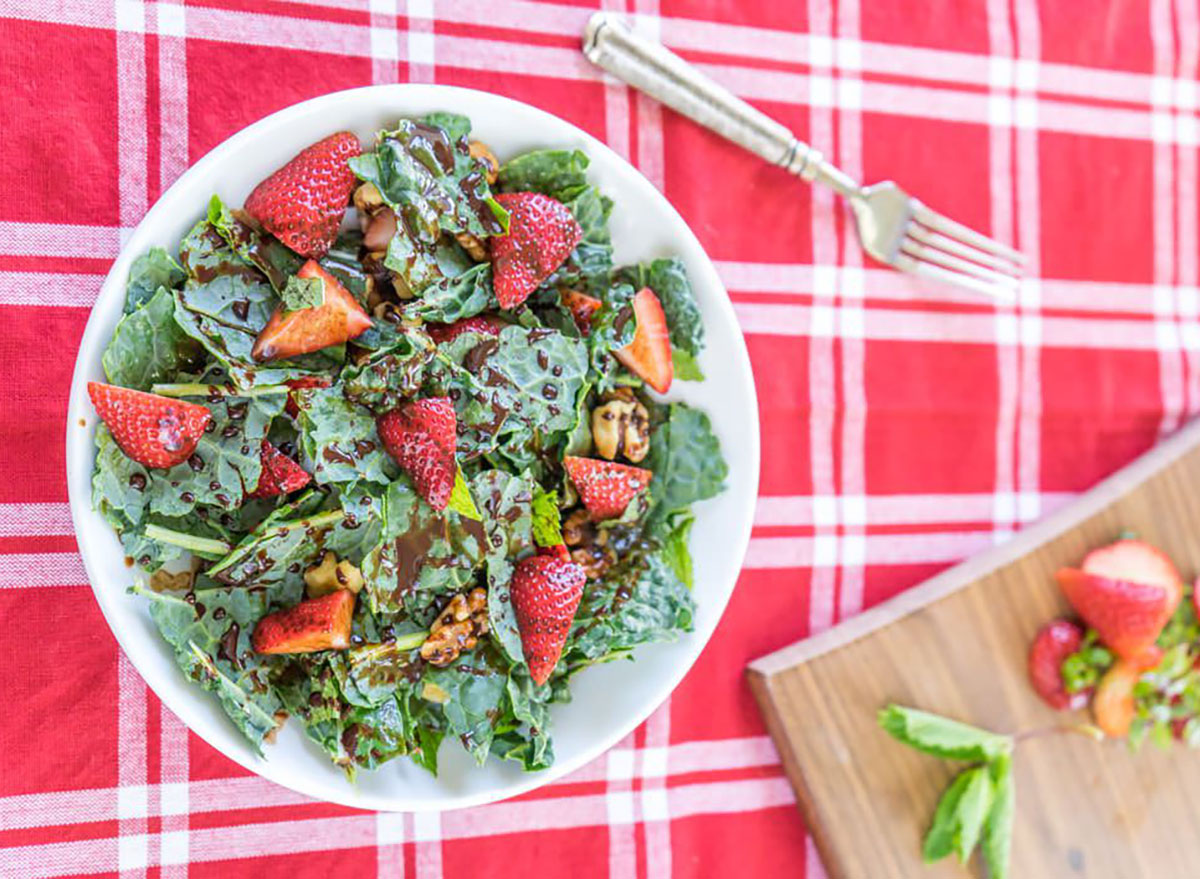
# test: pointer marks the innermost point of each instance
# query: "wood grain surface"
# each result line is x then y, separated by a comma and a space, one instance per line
956, 645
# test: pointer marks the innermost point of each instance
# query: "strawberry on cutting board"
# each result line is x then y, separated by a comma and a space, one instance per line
280, 474
1113, 704
290, 333
1128, 617
541, 235
313, 624
605, 487
421, 436
1055, 641
545, 594
302, 204
1137, 562
648, 356
157, 432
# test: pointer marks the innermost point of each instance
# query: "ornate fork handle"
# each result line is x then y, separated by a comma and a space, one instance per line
610, 44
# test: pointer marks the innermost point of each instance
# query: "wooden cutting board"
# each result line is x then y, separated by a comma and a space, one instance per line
956, 645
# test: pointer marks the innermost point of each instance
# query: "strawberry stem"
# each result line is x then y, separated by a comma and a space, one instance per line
201, 546
202, 390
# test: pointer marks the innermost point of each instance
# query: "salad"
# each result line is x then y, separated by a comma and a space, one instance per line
383, 446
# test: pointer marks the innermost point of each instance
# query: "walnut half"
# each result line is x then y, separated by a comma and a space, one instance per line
587, 544
457, 628
482, 151
621, 426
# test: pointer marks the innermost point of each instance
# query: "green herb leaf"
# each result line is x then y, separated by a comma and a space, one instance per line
945, 831
460, 498
686, 367
942, 737
998, 829
673, 533
973, 810
547, 520
301, 293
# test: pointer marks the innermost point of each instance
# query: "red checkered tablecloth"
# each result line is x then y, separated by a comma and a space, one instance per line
905, 426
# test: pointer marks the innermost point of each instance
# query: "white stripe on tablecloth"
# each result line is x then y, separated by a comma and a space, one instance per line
421, 50
359, 831
172, 795
21, 570
827, 551
35, 520
1187, 300
385, 42
783, 511
822, 383
59, 240
173, 122
133, 807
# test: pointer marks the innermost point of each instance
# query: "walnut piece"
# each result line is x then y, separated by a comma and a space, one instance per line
621, 426
481, 150
588, 544
472, 245
457, 628
331, 575
367, 199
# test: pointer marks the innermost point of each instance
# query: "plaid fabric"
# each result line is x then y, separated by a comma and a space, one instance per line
904, 426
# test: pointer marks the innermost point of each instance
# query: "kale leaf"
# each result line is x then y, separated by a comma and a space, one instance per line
153, 269
685, 457
669, 281
339, 438
148, 346
456, 296
391, 374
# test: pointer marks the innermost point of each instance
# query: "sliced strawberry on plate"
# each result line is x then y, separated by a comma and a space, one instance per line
421, 436
648, 356
541, 235
302, 204
582, 308
1128, 617
1136, 562
1055, 641
605, 487
1113, 704
299, 384
280, 474
290, 333
545, 595
313, 624
155, 431
487, 324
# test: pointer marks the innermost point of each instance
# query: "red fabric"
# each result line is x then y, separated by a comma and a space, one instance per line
905, 426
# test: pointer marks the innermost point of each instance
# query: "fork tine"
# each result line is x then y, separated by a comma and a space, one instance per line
949, 261
927, 270
956, 247
941, 223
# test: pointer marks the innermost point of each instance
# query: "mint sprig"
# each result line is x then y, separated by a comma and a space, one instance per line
979, 804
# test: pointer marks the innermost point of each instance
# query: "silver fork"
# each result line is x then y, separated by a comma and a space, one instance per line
894, 227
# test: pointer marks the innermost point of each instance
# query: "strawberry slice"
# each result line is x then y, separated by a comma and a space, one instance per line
302, 204
582, 308
313, 624
289, 333
421, 436
280, 474
1055, 641
545, 595
487, 324
648, 356
157, 432
299, 384
1127, 616
1136, 562
541, 235
605, 487
1114, 703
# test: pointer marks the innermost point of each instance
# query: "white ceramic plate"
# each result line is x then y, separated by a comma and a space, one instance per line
609, 700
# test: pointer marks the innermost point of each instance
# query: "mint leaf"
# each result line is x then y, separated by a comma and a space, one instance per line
547, 521
302, 293
941, 736
998, 829
675, 545
460, 498
939, 841
686, 367
972, 811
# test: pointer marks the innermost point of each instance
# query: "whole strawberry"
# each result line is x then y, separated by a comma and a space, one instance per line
302, 204
545, 594
280, 474
157, 432
606, 488
541, 235
421, 436
1055, 641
